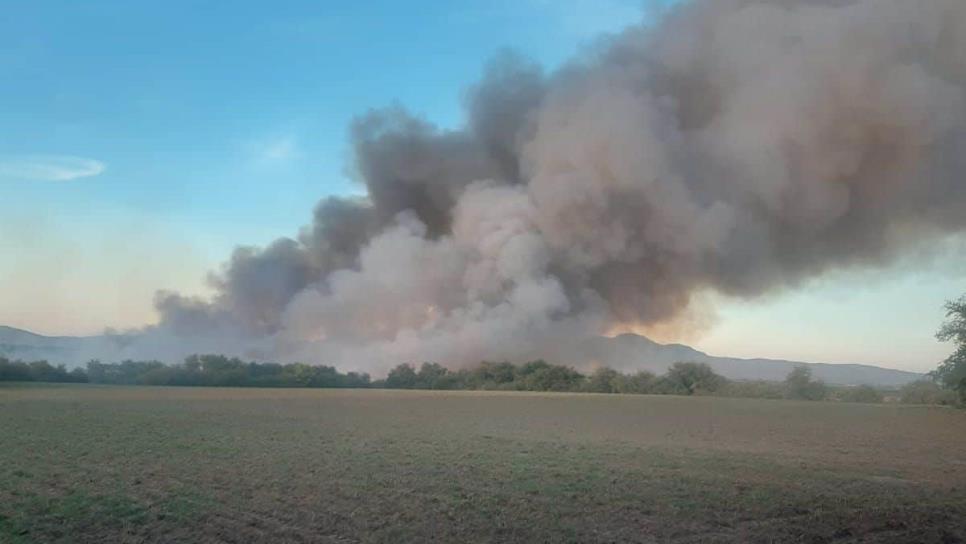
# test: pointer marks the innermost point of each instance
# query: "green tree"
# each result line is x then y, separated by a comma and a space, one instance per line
603, 380
691, 378
542, 376
753, 390
926, 392
434, 376
800, 385
38, 371
862, 393
491, 375
402, 377
952, 372
640, 383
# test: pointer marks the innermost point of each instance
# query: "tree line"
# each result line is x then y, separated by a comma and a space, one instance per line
196, 370
684, 378
947, 384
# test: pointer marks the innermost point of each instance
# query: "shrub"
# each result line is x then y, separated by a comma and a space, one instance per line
799, 385
641, 383
38, 371
926, 392
753, 390
861, 393
541, 376
690, 379
603, 380
402, 377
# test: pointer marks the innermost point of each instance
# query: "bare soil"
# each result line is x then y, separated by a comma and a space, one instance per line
129, 464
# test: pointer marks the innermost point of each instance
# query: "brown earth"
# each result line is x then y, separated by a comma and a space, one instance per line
128, 464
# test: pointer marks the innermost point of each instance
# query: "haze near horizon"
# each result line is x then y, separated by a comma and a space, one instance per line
521, 178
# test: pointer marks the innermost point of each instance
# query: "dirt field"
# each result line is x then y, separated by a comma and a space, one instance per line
127, 464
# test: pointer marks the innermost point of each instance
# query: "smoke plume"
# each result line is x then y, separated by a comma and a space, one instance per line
735, 146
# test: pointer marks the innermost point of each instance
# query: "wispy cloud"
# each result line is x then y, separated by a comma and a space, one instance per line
48, 167
280, 149
275, 150
588, 18
573, 19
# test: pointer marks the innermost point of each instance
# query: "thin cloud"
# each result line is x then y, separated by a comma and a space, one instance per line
585, 18
49, 167
275, 150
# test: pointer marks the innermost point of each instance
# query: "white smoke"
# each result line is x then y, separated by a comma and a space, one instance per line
740, 146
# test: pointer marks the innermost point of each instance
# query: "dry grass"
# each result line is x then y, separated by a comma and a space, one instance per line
126, 464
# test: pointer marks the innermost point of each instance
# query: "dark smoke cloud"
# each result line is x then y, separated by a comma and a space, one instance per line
740, 146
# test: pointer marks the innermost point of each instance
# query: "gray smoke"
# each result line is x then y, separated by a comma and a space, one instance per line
739, 146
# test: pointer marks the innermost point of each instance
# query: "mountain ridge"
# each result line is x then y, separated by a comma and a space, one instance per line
627, 352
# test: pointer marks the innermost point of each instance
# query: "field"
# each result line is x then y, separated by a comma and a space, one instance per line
129, 464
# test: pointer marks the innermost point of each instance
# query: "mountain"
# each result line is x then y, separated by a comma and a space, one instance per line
628, 353
69, 350
631, 352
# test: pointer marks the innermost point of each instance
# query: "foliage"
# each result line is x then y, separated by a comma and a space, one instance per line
753, 390
38, 371
926, 392
861, 393
402, 377
542, 376
690, 379
952, 372
603, 380
125, 372
640, 383
221, 371
799, 385
683, 378
495, 374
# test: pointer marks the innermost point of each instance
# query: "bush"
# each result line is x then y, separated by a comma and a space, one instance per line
540, 376
690, 379
603, 380
641, 383
402, 377
926, 392
435, 376
862, 393
491, 374
799, 385
753, 390
38, 371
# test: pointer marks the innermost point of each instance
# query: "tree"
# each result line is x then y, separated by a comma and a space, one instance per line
800, 385
492, 375
862, 393
38, 371
691, 378
641, 383
760, 389
542, 376
926, 392
952, 372
603, 380
402, 377
434, 376
14, 371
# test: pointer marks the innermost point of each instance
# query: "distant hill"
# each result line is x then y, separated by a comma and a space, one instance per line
21, 344
633, 352
627, 353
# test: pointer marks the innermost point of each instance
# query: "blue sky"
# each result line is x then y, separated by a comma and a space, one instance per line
141, 141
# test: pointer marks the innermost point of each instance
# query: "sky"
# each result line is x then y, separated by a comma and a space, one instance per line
140, 142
